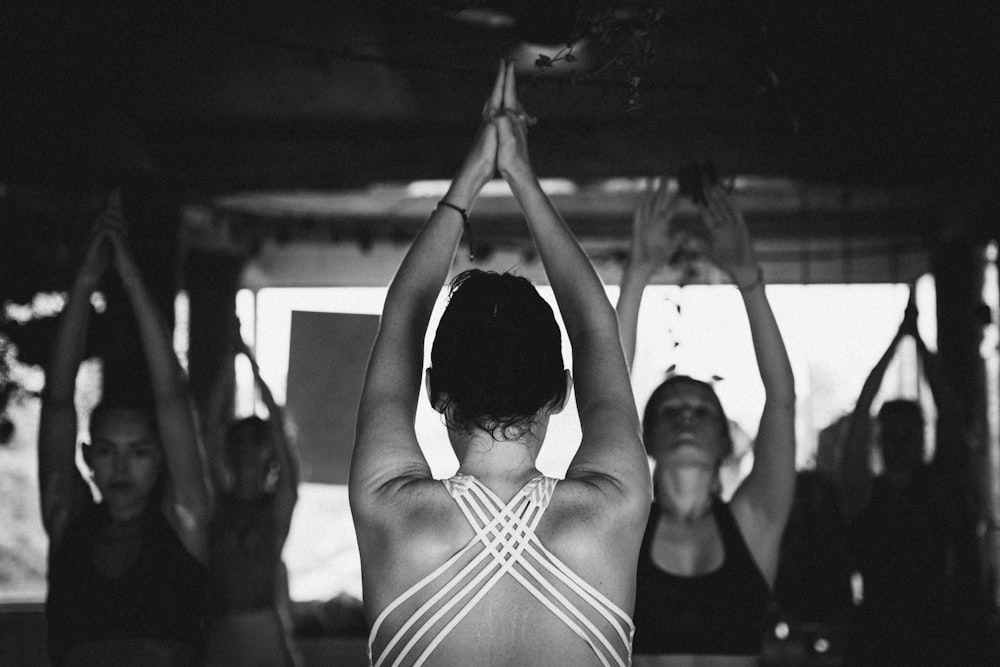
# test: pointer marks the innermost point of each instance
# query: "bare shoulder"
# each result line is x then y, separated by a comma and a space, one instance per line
411, 528
596, 531
589, 512
409, 515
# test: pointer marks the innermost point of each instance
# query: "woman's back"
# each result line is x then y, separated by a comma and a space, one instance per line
510, 573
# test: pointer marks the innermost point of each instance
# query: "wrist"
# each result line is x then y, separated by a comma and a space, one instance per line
749, 278
85, 284
463, 192
639, 270
517, 172
466, 224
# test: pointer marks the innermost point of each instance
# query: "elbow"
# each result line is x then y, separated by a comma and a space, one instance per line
361, 501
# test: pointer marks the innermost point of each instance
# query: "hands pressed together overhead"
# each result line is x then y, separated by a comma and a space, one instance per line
501, 145
107, 243
908, 327
502, 141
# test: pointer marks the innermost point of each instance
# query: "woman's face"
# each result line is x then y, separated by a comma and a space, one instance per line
901, 439
687, 427
125, 457
254, 471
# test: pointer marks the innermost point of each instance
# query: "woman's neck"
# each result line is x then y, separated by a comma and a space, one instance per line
122, 528
497, 463
685, 492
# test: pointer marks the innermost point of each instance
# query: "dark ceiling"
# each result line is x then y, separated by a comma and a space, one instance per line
224, 97
860, 121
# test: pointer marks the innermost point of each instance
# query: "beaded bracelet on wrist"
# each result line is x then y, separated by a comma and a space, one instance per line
465, 225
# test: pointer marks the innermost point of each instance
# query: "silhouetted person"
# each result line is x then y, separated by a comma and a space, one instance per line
812, 593
127, 580
911, 536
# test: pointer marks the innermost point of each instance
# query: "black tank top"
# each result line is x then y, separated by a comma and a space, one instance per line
161, 596
722, 612
244, 553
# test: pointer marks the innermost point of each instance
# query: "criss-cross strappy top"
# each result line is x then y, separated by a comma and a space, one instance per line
505, 544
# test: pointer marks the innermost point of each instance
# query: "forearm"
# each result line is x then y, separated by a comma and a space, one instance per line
855, 471
175, 413
57, 422
60, 485
945, 399
284, 449
410, 301
219, 411
874, 380
385, 444
579, 291
771, 484
168, 379
610, 448
769, 347
634, 280
174, 410
949, 450
69, 345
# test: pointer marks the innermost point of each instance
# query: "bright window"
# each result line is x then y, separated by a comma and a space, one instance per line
834, 335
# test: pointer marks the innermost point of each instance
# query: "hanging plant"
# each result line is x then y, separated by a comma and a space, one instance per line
627, 39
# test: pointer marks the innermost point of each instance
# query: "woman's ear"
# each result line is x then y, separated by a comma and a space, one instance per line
566, 394
222, 476
716, 487
273, 473
86, 449
429, 388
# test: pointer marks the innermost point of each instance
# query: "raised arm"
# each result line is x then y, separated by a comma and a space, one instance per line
611, 452
187, 500
654, 243
386, 454
218, 414
855, 473
63, 492
762, 503
287, 493
950, 453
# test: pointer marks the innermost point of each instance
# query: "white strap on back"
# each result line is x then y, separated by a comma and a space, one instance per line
505, 534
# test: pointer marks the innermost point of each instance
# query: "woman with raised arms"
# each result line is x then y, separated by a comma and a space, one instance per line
707, 567
127, 576
498, 565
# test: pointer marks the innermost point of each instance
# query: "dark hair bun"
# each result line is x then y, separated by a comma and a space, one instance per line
497, 354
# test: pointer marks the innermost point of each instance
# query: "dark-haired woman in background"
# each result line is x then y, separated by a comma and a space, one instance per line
127, 580
256, 477
498, 565
706, 567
